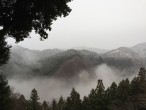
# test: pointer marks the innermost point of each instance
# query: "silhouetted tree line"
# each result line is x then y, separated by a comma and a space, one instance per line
127, 95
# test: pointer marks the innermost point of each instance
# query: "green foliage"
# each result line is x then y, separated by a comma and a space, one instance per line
124, 96
34, 100
97, 99
120, 63
19, 17
51, 64
5, 93
54, 105
61, 104
4, 51
19, 102
73, 102
86, 103
45, 106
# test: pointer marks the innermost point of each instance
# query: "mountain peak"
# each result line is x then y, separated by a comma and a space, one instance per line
140, 49
122, 52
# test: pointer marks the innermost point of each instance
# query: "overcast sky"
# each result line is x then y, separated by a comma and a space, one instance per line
105, 24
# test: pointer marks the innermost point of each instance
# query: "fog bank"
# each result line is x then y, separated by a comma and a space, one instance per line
51, 88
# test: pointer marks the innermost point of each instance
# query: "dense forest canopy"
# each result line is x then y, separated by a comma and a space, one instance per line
19, 17
127, 95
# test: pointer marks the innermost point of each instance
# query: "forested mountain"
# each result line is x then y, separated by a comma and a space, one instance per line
53, 62
97, 50
122, 53
77, 68
23, 61
68, 64
124, 59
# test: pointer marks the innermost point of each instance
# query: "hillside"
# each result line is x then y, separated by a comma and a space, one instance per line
124, 59
23, 61
51, 63
70, 63
97, 50
140, 49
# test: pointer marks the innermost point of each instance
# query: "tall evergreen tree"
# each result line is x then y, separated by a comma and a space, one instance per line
100, 96
34, 100
100, 89
19, 102
123, 90
22, 103
5, 93
113, 91
54, 105
45, 106
142, 74
92, 99
86, 103
111, 96
74, 101
138, 90
61, 104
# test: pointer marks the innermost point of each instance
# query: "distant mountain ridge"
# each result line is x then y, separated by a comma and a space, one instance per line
70, 63
97, 50
122, 52
50, 62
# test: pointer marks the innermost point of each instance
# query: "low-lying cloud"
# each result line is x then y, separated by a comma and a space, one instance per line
51, 88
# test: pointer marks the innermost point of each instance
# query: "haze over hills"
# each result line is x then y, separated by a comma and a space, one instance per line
97, 50
57, 71
122, 52
140, 49
124, 59
68, 64
55, 62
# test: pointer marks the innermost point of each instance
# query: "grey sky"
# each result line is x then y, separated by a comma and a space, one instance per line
103, 24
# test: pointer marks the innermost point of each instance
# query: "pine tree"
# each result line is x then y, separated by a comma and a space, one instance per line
45, 106
100, 96
68, 103
5, 93
92, 99
123, 90
111, 96
142, 74
100, 89
74, 101
61, 104
19, 102
138, 90
34, 100
113, 91
86, 103
54, 105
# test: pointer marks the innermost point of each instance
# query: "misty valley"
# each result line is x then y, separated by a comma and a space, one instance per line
72, 55
78, 78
